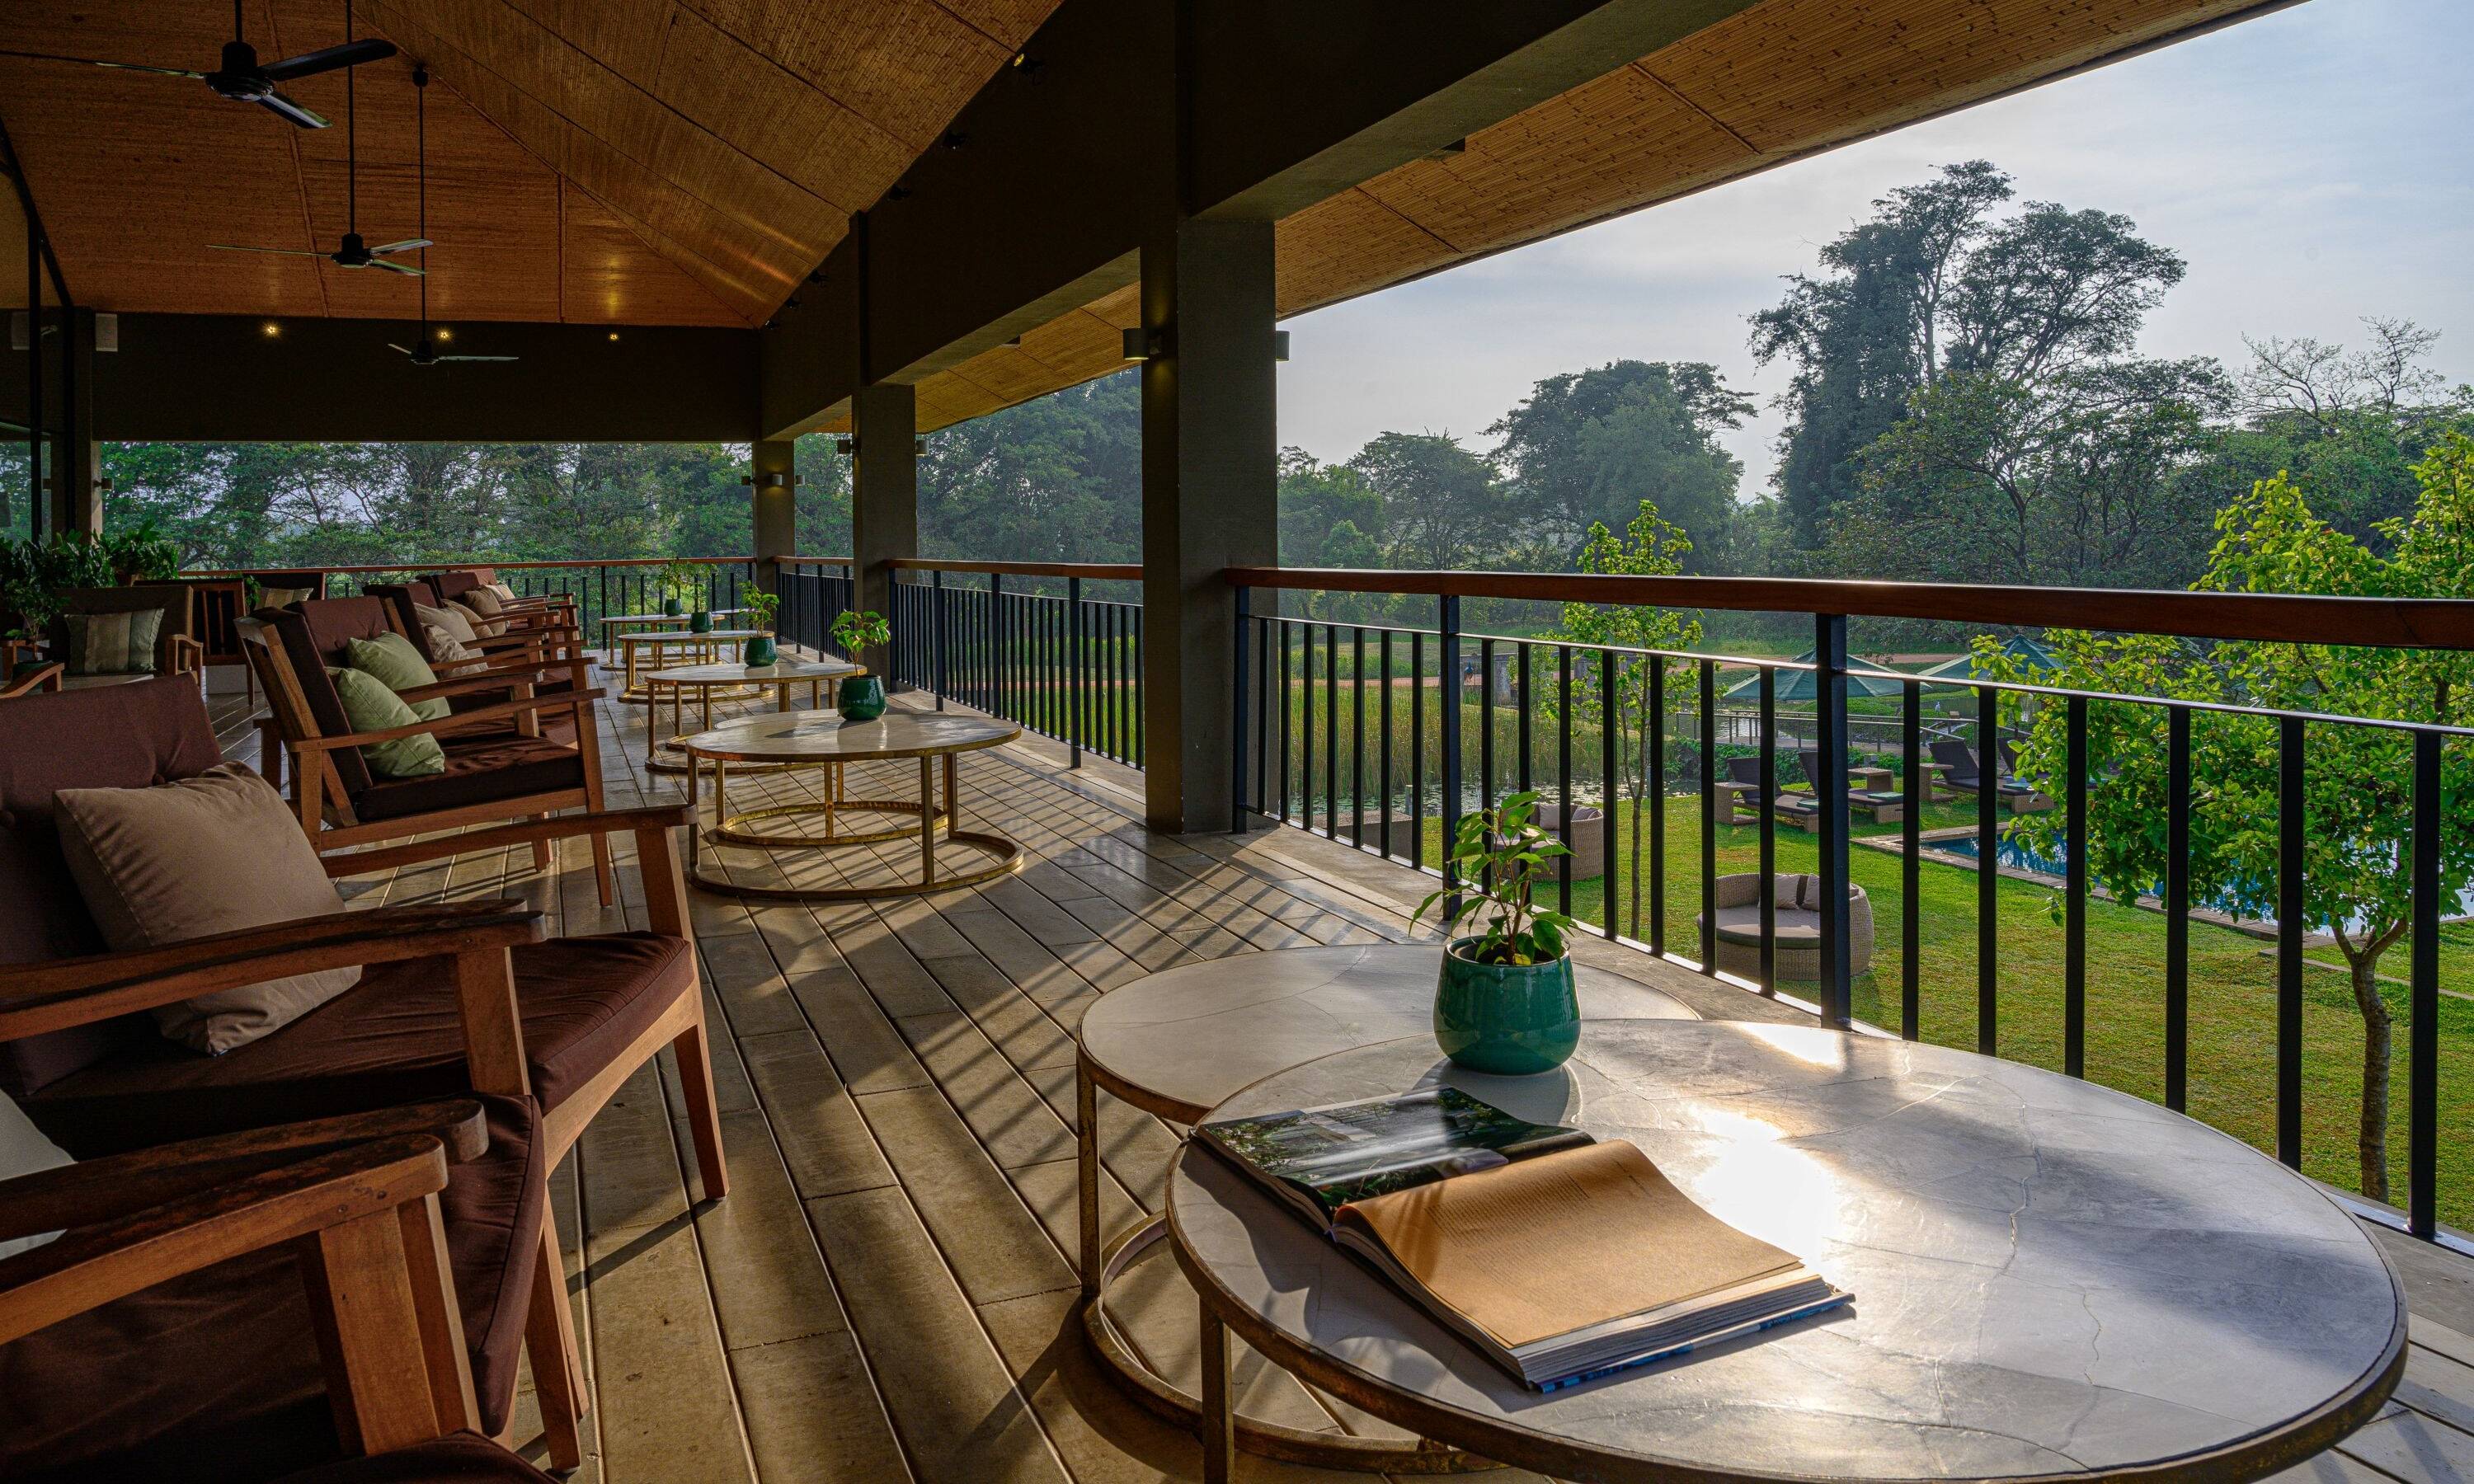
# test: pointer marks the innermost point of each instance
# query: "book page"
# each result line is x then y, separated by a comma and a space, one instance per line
1546, 1246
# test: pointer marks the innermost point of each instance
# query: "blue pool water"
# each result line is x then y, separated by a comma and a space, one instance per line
2018, 856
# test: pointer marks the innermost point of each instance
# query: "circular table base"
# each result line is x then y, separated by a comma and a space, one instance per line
1153, 1394
670, 756
1006, 859
730, 828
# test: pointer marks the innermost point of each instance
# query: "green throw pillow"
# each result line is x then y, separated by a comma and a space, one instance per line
370, 706
114, 643
400, 667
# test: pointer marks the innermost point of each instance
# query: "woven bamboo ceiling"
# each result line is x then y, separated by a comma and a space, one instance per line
686, 162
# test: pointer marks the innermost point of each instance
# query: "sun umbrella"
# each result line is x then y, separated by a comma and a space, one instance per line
1798, 685
2019, 647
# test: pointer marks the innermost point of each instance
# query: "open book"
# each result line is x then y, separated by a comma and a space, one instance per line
1563, 1259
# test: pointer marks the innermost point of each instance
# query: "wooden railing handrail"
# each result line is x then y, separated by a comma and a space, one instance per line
1096, 571
2292, 618
227, 574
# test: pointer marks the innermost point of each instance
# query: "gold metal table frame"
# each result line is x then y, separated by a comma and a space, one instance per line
665, 755
901, 737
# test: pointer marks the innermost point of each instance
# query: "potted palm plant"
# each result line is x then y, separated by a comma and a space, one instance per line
861, 698
677, 580
141, 553
761, 649
1505, 1001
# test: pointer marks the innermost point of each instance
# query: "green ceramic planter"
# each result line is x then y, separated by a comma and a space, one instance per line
670, 608
861, 698
761, 652
1510, 1020
700, 621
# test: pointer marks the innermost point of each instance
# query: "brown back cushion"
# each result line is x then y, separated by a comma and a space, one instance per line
116, 736
451, 584
177, 602
313, 635
400, 599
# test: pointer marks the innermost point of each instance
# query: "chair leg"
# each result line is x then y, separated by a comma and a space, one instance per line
704, 1117
601, 875
559, 1381
540, 849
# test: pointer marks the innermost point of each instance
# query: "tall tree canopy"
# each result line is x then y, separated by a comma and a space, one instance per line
1584, 448
1443, 506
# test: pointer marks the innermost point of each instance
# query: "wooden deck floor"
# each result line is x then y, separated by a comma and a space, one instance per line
888, 1292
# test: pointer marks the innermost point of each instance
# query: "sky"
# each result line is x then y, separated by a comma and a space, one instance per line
2314, 166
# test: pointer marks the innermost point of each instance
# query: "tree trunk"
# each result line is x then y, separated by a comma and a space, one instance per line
2373, 1136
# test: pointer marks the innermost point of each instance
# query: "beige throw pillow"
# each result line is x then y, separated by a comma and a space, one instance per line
506, 594
25, 1151
209, 855
445, 647
483, 601
454, 620
284, 597
482, 623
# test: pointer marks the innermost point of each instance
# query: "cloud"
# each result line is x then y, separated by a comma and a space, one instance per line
2311, 165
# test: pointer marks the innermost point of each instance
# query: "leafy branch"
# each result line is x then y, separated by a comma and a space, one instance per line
1501, 852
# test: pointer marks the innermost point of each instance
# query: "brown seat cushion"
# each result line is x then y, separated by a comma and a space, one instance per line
215, 1376
394, 1038
465, 1458
479, 771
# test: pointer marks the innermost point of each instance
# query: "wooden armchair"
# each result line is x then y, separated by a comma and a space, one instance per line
515, 754
451, 998
541, 648
553, 615
451, 584
177, 648
28, 679
250, 1302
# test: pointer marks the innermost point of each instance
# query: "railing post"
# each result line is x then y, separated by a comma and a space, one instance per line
1238, 802
2422, 1088
938, 637
1074, 670
997, 644
1830, 654
1448, 638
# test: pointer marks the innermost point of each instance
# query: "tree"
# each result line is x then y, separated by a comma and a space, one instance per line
1317, 500
1443, 505
1584, 447
1934, 286
2359, 794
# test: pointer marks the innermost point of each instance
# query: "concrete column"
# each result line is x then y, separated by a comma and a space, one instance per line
884, 494
77, 456
1210, 482
775, 495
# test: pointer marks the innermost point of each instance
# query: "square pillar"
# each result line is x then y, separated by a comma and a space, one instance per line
884, 495
774, 481
1210, 499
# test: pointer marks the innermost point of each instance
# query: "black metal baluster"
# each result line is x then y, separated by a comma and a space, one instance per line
1912, 739
938, 637
1610, 737
1988, 867
2074, 886
1448, 642
1357, 736
1563, 779
1074, 667
1485, 723
2423, 1093
1238, 737
1709, 816
1526, 716
1331, 743
1134, 695
1768, 693
1262, 709
1654, 726
1383, 749
1417, 749
2290, 825
1306, 727
1288, 704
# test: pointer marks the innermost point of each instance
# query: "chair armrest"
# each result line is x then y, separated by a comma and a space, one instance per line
558, 827
91, 1191
188, 654
65, 993
43, 677
91, 1266
460, 718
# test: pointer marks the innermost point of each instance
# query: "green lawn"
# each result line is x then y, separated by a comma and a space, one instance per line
2232, 993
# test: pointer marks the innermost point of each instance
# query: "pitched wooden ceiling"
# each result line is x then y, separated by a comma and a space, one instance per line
624, 161
1782, 80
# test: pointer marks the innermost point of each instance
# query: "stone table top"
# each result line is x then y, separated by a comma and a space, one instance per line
655, 618
811, 737
780, 672
2050, 1278
684, 635
1179, 1041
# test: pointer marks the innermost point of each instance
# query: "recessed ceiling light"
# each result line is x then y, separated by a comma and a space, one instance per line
269, 329
613, 334
443, 333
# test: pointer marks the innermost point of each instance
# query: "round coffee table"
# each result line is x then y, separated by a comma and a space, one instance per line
710, 647
2052, 1279
800, 740
1178, 1042
732, 679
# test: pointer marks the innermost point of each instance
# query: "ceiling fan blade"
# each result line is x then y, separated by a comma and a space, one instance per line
293, 111
352, 54
401, 268
399, 349
94, 61
408, 245
228, 246
476, 358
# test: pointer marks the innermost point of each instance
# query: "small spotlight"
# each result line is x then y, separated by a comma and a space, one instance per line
269, 329
1280, 345
844, 446
614, 336
955, 140
443, 333
1141, 344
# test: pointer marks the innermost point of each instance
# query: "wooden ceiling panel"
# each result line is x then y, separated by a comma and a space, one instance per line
1008, 23
908, 65
1330, 247
610, 278
793, 128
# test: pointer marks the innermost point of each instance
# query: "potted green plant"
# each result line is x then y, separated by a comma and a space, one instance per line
1505, 1001
141, 553
861, 698
34, 573
761, 649
677, 580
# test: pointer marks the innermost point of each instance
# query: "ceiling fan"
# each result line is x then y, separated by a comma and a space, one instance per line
423, 350
243, 79
355, 251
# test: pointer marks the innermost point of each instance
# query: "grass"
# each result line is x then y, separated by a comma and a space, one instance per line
2231, 1069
